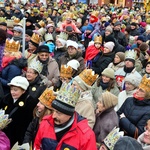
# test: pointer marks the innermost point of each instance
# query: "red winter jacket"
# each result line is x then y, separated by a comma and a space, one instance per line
79, 137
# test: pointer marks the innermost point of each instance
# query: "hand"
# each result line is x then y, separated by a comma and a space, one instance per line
89, 36
122, 116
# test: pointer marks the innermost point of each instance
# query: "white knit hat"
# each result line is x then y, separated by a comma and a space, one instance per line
73, 64
134, 80
72, 43
109, 45
19, 81
62, 41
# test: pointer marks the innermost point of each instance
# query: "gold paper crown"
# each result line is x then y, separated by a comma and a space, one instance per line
12, 46
36, 65
35, 9
63, 35
112, 138
103, 19
4, 121
130, 54
60, 11
16, 20
70, 15
88, 76
68, 94
7, 8
49, 11
41, 23
45, 14
2, 19
95, 13
98, 39
35, 38
66, 71
47, 98
145, 84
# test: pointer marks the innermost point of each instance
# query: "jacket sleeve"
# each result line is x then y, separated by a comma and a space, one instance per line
90, 144
131, 128
31, 131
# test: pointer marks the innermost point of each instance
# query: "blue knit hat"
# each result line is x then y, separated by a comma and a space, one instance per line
141, 38
90, 27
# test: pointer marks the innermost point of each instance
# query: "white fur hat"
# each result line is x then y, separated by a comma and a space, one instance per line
72, 43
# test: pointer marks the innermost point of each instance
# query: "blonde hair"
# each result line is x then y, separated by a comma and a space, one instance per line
16, 54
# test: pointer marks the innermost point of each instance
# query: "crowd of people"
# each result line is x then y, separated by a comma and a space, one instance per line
81, 81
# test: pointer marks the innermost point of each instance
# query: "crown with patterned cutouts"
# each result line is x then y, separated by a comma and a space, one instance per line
130, 54
4, 121
47, 98
2, 19
63, 36
88, 76
35, 38
112, 138
48, 37
68, 94
145, 84
66, 71
36, 65
12, 46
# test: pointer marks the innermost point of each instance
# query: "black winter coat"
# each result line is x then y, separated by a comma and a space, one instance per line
99, 64
21, 113
137, 113
35, 88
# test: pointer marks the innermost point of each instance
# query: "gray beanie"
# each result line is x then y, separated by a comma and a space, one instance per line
134, 80
109, 72
81, 83
109, 28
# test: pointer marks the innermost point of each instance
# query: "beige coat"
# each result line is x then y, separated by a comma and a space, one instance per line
85, 107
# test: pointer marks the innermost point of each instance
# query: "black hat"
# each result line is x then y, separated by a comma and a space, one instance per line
3, 24
43, 48
37, 25
63, 107
29, 32
35, 44
133, 24
29, 20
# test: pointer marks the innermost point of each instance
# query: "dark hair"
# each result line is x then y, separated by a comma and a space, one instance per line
110, 85
3, 36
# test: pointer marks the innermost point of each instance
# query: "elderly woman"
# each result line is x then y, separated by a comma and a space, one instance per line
19, 106
37, 82
131, 84
85, 105
106, 82
135, 111
106, 118
144, 138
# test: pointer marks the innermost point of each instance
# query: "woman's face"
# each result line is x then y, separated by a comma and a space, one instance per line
105, 79
129, 86
40, 107
146, 138
32, 47
106, 50
100, 106
31, 75
107, 33
116, 59
148, 68
76, 85
6, 54
140, 93
16, 92
58, 44
50, 29
65, 80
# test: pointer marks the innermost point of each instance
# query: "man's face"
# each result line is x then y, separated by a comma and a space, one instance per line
43, 56
146, 138
59, 118
128, 64
117, 28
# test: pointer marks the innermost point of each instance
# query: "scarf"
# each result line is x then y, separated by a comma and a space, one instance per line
138, 98
45, 67
103, 85
6, 60
128, 70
